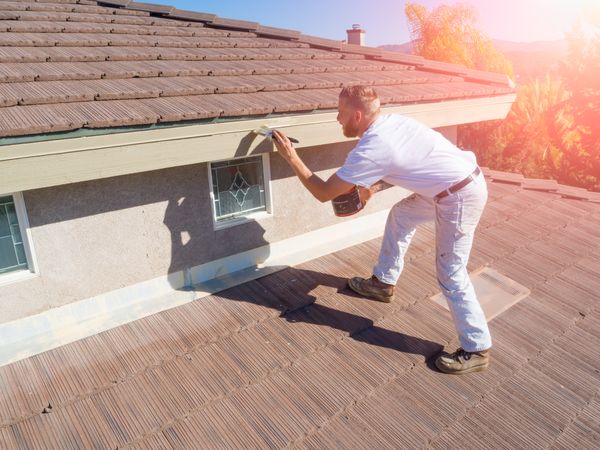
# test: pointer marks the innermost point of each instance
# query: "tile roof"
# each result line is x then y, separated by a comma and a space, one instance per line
69, 64
294, 359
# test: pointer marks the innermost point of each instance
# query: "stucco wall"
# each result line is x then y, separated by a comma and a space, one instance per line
102, 235
98, 236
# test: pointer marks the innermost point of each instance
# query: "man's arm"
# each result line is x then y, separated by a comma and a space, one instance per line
320, 189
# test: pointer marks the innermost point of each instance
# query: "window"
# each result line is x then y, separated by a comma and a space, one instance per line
16, 258
239, 189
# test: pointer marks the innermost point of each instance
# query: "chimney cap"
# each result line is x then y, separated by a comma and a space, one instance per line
356, 26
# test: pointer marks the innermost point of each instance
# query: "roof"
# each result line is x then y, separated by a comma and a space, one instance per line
294, 359
77, 64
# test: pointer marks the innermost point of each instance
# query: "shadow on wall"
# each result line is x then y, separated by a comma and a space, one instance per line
188, 214
192, 241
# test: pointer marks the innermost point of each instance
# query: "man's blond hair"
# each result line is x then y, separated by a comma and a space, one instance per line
364, 98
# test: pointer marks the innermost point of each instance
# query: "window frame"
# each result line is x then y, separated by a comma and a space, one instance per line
25, 229
249, 217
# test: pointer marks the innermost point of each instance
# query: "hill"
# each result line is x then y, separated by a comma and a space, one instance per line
529, 59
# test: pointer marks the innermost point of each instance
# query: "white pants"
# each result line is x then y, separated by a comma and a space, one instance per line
456, 217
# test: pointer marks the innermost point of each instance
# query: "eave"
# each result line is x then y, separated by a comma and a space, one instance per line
43, 164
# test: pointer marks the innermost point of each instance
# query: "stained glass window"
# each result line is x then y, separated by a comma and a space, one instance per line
238, 187
12, 250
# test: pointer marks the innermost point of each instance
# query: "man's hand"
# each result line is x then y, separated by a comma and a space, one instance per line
365, 194
284, 146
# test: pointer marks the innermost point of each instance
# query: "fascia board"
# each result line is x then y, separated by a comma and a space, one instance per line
44, 164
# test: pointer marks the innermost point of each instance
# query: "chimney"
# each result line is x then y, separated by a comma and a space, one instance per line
356, 35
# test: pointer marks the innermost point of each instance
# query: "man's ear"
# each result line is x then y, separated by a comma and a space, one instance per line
358, 115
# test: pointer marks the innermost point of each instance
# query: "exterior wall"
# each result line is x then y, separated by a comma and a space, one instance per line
451, 133
102, 235
98, 236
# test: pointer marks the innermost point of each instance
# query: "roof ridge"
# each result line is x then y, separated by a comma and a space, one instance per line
375, 53
541, 184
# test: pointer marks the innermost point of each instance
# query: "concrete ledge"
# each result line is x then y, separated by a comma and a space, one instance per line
35, 334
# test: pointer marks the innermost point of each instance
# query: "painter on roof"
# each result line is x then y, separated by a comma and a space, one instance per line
448, 187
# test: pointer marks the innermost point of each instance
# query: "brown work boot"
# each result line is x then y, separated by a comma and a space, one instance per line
462, 361
372, 288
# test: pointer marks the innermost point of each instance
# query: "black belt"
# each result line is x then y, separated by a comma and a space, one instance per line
458, 186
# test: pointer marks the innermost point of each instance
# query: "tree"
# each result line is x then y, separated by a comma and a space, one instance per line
552, 130
576, 128
448, 34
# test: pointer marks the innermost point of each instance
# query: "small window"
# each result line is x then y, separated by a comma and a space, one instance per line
16, 257
239, 188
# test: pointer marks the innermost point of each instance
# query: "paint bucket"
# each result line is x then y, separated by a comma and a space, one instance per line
347, 204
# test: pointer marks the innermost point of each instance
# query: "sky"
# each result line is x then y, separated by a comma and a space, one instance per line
385, 22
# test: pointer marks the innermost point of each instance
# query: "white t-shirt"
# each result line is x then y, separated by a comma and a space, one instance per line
406, 153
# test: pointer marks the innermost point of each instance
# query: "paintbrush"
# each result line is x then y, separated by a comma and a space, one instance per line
268, 133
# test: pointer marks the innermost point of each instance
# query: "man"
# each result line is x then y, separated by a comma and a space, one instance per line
448, 188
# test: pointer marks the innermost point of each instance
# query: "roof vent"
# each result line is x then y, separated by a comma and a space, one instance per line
356, 35
495, 292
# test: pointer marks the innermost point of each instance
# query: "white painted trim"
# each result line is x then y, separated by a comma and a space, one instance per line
62, 161
25, 229
31, 335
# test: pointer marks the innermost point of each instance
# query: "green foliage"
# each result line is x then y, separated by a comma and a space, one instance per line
577, 126
553, 128
448, 34
524, 141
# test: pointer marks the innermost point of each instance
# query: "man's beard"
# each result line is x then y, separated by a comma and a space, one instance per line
350, 131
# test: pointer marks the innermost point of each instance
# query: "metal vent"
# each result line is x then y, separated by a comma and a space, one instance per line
496, 292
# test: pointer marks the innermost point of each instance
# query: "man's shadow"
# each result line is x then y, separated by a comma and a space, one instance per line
291, 291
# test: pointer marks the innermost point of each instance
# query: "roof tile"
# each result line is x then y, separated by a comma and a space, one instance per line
237, 104
234, 24
129, 12
16, 54
361, 50
124, 53
573, 192
19, 26
181, 86
55, 71
401, 58
594, 197
277, 32
506, 177
329, 44
10, 73
323, 98
13, 6
98, 114
70, 51
19, 120
8, 16
34, 93
224, 53
87, 27
132, 20
90, 18
191, 15
121, 89
538, 184
115, 2
150, 7
176, 109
